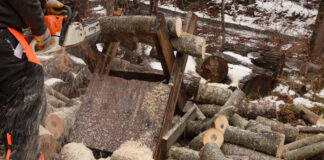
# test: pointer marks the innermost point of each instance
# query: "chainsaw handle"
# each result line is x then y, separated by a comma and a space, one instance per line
66, 24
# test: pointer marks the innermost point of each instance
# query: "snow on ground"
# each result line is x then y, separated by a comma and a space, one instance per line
53, 81
306, 102
237, 72
284, 89
245, 60
321, 93
270, 99
156, 65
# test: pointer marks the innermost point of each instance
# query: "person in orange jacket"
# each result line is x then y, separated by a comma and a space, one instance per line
22, 99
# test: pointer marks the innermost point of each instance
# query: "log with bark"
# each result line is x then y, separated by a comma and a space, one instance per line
253, 110
291, 133
60, 122
57, 103
47, 143
213, 68
254, 126
304, 142
197, 142
309, 129
305, 152
182, 153
209, 94
191, 84
268, 142
209, 110
307, 114
211, 151
232, 149
190, 44
233, 157
58, 95
238, 121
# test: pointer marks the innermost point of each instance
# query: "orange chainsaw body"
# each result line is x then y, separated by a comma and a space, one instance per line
54, 23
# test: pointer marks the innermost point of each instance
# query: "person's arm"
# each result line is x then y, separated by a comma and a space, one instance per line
31, 13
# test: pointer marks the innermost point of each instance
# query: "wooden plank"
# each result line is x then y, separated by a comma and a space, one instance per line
176, 131
116, 110
111, 56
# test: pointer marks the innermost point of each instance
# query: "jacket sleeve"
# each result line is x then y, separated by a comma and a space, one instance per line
31, 13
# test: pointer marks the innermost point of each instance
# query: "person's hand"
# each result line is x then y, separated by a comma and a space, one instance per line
54, 6
43, 41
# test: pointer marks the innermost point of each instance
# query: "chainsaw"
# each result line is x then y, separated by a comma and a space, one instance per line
64, 32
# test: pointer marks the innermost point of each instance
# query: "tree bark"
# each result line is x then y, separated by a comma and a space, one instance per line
273, 61
59, 123
178, 152
209, 110
305, 152
304, 142
307, 129
233, 157
223, 22
253, 110
291, 133
190, 44
254, 126
232, 149
208, 94
191, 84
57, 103
307, 114
58, 95
238, 121
211, 151
318, 33
197, 142
213, 69
268, 142
47, 143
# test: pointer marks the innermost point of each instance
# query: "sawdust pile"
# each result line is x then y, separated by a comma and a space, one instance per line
132, 150
76, 151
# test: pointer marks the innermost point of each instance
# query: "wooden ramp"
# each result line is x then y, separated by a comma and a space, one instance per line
117, 110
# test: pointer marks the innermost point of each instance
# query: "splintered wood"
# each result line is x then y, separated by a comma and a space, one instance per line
119, 110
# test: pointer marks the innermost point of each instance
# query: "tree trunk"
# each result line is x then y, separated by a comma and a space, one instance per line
268, 142
213, 69
254, 126
47, 143
318, 33
208, 94
304, 142
253, 110
291, 133
307, 114
232, 149
59, 123
305, 152
273, 61
307, 129
180, 153
238, 121
211, 152
209, 110
223, 22
190, 44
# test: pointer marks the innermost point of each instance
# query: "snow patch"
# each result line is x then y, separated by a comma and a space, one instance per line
284, 89
100, 47
237, 72
77, 60
270, 99
191, 66
53, 81
245, 60
306, 102
321, 93
156, 65
148, 50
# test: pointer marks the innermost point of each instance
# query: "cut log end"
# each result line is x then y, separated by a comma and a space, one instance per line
320, 121
47, 143
178, 27
55, 125
221, 123
213, 136
214, 69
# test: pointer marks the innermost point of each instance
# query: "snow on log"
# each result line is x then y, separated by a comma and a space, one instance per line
211, 151
253, 110
132, 150
307, 114
304, 142
190, 44
76, 151
238, 121
232, 149
182, 153
268, 142
291, 133
47, 143
305, 152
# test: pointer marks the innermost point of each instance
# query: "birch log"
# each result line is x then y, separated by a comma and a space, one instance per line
305, 152
209, 110
310, 129
307, 114
190, 44
237, 121
209, 94
211, 151
47, 143
304, 142
180, 153
253, 110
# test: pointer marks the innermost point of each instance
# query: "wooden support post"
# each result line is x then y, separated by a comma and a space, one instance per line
110, 50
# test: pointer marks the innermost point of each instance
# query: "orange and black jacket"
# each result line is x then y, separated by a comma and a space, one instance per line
20, 14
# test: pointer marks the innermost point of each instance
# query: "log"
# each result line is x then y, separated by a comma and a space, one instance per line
254, 126
135, 25
208, 94
268, 142
47, 143
237, 121
73, 151
178, 152
291, 133
234, 157
221, 123
190, 44
211, 151
197, 142
59, 123
307, 114
191, 84
253, 110
209, 110
213, 136
195, 127
232, 149
58, 95
305, 152
304, 142
307, 129
213, 69
57, 103
273, 61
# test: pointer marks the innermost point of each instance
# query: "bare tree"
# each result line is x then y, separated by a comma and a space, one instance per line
223, 22
317, 39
